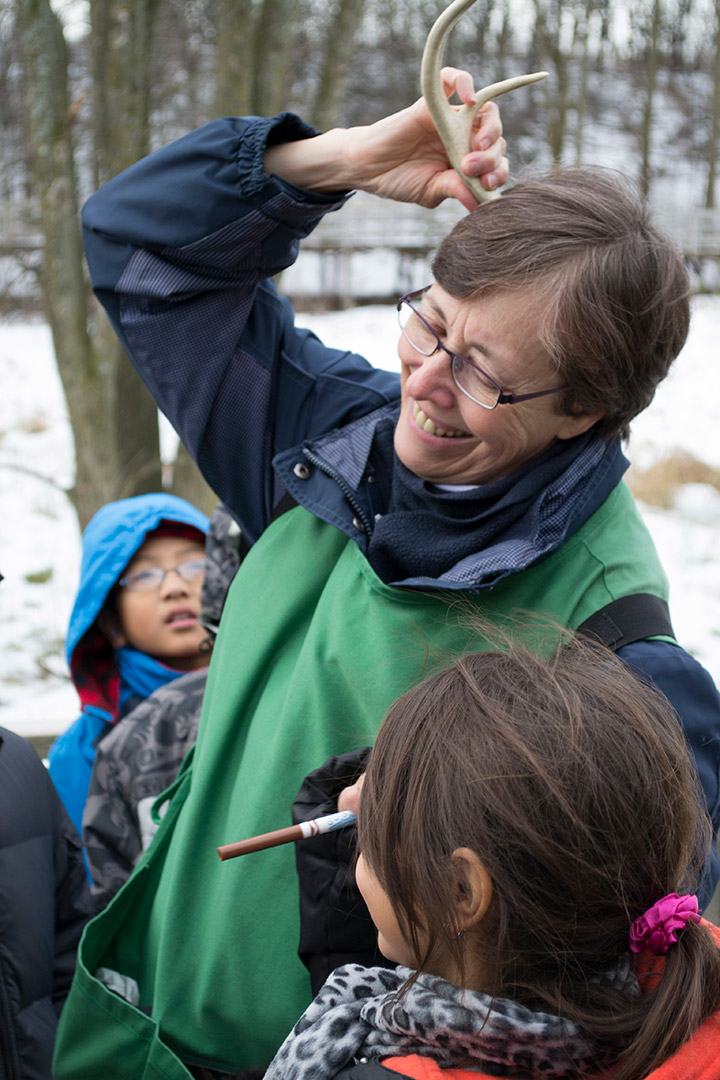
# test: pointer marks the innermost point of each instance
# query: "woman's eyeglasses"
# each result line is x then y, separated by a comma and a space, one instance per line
467, 375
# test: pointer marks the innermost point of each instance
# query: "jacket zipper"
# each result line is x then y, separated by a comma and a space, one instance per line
344, 487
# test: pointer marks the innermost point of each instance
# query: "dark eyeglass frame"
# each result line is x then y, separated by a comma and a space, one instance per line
130, 581
502, 398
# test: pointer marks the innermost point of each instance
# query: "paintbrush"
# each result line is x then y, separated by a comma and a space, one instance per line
305, 829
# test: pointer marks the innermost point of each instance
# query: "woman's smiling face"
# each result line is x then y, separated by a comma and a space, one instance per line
500, 332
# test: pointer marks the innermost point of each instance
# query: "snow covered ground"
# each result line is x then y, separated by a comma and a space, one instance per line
40, 542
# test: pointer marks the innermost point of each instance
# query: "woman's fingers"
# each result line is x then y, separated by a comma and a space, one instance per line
489, 164
486, 154
487, 125
456, 81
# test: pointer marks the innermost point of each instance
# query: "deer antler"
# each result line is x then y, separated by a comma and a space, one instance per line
454, 125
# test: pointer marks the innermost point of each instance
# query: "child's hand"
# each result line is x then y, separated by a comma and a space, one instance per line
349, 797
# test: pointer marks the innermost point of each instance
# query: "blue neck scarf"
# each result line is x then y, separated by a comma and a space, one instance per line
140, 676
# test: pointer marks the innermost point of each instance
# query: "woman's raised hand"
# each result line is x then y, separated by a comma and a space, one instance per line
401, 157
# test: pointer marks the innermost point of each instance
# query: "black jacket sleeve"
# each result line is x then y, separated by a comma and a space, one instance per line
44, 905
73, 904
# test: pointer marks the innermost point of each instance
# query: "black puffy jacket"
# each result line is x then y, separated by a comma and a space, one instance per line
44, 905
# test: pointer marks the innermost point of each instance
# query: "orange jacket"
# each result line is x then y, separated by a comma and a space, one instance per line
698, 1059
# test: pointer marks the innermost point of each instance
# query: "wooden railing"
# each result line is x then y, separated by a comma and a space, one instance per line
375, 250
366, 223
695, 231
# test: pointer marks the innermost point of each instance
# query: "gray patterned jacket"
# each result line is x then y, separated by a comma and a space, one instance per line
141, 755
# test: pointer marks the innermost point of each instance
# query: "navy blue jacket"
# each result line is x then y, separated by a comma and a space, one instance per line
181, 248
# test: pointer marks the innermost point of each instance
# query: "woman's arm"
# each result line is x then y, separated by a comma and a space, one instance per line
400, 157
181, 247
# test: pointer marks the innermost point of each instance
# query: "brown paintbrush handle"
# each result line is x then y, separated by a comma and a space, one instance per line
259, 843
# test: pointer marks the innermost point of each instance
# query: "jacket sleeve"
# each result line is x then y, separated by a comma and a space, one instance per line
135, 762
181, 248
335, 926
110, 830
692, 693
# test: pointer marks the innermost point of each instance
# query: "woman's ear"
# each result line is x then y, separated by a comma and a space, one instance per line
109, 624
473, 888
578, 424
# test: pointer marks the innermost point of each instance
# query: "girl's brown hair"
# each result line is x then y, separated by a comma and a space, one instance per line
614, 288
572, 782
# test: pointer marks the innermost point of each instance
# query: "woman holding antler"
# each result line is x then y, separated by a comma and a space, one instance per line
491, 471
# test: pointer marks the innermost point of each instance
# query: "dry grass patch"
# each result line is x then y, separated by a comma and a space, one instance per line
658, 484
34, 425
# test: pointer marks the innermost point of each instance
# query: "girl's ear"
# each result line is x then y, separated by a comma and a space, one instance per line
473, 888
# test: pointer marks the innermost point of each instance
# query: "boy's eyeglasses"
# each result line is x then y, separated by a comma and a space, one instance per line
467, 375
153, 576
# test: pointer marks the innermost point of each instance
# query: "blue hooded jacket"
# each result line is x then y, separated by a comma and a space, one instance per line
109, 681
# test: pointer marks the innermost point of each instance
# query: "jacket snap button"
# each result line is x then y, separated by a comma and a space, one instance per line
301, 470
358, 524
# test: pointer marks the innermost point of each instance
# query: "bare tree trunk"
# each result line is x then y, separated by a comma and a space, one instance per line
503, 42
582, 51
338, 52
549, 43
113, 418
233, 56
188, 483
271, 56
122, 46
51, 161
652, 63
714, 139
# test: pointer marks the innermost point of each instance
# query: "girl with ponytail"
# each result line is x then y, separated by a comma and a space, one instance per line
531, 833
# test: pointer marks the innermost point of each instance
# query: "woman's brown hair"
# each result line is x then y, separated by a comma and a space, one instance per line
614, 288
572, 782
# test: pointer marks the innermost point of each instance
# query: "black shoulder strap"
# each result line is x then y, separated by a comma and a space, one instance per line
287, 502
631, 618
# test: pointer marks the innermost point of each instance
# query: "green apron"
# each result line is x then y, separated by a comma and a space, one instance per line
312, 650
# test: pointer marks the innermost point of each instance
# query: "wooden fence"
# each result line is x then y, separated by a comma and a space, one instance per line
373, 251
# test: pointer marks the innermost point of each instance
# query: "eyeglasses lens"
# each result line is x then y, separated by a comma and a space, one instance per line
473, 383
153, 576
416, 331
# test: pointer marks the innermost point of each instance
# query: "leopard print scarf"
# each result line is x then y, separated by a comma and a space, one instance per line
357, 1015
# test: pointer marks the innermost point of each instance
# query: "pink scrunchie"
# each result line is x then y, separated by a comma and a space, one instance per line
655, 930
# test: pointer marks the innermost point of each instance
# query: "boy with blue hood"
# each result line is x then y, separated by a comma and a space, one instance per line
134, 626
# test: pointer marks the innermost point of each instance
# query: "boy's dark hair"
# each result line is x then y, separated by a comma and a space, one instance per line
572, 782
613, 287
